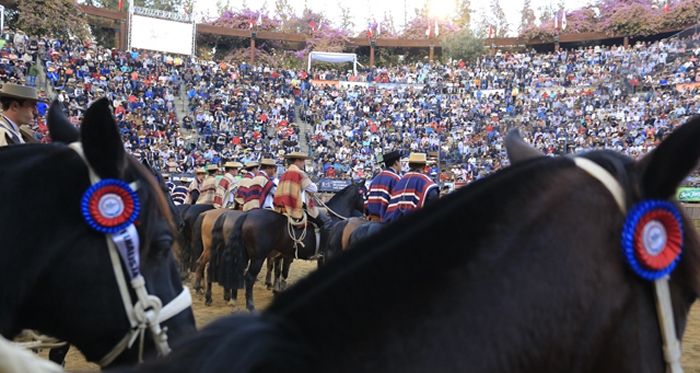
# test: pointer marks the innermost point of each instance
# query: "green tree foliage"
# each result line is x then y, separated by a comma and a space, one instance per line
61, 18
423, 11
346, 21
500, 20
463, 15
463, 45
283, 10
546, 13
527, 17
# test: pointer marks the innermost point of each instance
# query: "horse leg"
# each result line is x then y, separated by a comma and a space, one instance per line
285, 271
58, 354
278, 273
232, 302
207, 295
268, 276
250, 277
199, 274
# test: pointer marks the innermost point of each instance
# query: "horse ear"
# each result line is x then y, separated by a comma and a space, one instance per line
60, 128
518, 150
665, 167
146, 163
102, 143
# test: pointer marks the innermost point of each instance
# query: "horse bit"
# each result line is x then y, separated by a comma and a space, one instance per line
671, 345
148, 311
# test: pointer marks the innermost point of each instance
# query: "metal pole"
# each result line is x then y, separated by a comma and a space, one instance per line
2, 19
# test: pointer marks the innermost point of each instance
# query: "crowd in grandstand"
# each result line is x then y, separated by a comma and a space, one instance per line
568, 101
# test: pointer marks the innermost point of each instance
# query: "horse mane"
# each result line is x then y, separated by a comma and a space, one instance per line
153, 203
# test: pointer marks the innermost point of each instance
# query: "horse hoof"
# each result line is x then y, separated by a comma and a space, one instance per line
198, 292
232, 303
269, 286
208, 302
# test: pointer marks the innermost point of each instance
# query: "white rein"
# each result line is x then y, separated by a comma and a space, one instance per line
671, 345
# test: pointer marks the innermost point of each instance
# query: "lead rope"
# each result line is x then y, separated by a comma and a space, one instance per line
670, 344
291, 222
320, 202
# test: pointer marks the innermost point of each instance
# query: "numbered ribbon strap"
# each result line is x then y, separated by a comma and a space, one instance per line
110, 205
652, 238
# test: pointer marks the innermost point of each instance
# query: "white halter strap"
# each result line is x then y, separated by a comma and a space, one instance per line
148, 311
671, 346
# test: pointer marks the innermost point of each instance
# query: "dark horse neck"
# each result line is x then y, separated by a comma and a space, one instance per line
448, 293
344, 202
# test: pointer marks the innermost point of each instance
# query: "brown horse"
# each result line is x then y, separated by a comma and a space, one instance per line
201, 242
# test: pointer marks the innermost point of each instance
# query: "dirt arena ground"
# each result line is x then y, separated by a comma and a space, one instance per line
206, 314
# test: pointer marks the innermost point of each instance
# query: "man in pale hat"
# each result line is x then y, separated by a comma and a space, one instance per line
412, 191
195, 186
251, 169
379, 192
291, 198
226, 188
18, 111
261, 192
168, 183
179, 193
207, 192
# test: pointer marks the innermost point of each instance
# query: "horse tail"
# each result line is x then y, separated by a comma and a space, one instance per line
234, 258
196, 242
217, 248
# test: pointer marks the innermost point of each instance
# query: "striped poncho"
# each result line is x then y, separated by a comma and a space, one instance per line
288, 198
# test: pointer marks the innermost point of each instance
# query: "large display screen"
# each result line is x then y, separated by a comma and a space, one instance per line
161, 35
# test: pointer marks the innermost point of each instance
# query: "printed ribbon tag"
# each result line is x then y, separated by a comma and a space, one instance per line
127, 242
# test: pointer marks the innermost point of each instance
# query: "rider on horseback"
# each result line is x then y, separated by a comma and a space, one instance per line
262, 189
291, 198
208, 188
382, 186
251, 169
227, 185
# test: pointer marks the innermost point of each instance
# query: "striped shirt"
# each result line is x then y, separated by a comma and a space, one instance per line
410, 193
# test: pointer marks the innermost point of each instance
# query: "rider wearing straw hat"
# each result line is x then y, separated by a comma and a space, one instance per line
412, 191
227, 185
243, 185
195, 187
291, 196
18, 111
179, 194
261, 192
208, 189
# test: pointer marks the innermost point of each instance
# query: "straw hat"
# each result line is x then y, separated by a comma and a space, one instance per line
20, 92
212, 167
268, 162
251, 164
185, 179
233, 165
417, 158
201, 171
297, 155
166, 176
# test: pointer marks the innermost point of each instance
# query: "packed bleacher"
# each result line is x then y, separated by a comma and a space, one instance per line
563, 102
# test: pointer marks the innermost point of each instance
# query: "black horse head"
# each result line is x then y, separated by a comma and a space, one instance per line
56, 271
